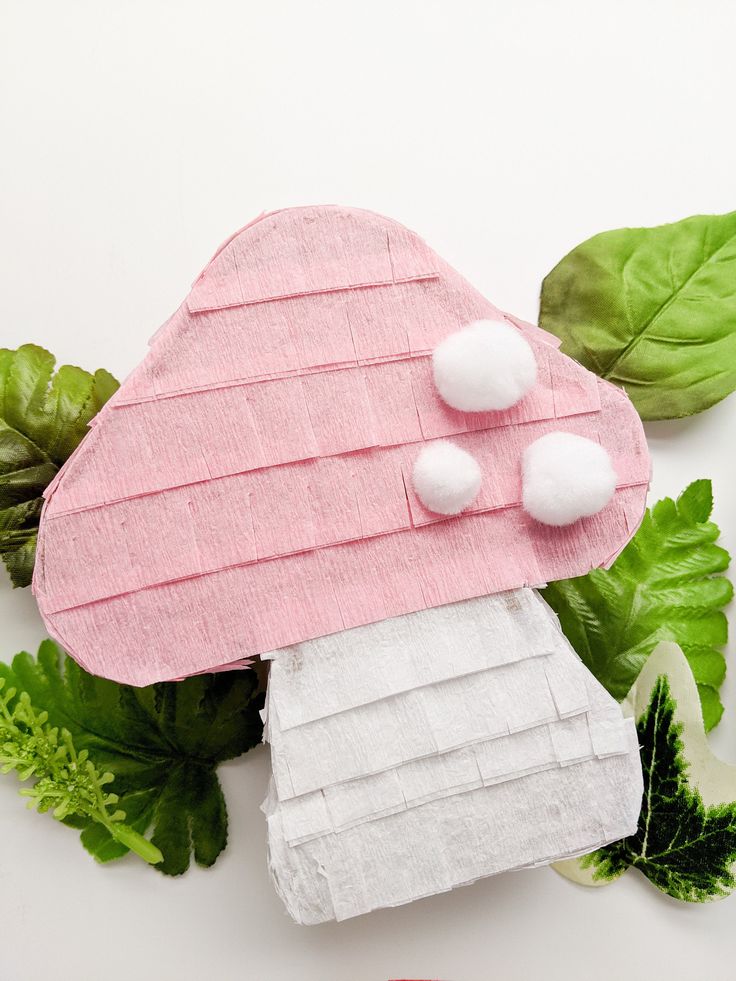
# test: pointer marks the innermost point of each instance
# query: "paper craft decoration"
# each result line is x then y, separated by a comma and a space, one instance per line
286, 475
419, 754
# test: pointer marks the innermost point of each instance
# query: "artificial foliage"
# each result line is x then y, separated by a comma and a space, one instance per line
685, 843
665, 585
652, 310
65, 781
683, 847
43, 418
162, 744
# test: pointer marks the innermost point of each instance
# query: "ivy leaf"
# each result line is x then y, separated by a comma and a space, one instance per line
686, 840
663, 586
162, 743
653, 310
43, 418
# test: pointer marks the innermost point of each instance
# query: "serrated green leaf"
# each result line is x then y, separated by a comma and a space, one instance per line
190, 816
652, 310
162, 744
665, 585
707, 665
710, 705
685, 843
43, 418
696, 501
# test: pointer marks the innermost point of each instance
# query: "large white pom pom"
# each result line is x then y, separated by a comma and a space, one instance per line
487, 365
446, 478
566, 477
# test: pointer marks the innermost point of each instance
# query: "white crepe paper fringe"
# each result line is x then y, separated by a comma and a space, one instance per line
424, 752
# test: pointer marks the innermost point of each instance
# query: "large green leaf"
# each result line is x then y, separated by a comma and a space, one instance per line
162, 743
663, 586
43, 418
653, 310
685, 843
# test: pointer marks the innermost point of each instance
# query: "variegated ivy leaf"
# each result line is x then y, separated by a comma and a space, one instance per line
686, 840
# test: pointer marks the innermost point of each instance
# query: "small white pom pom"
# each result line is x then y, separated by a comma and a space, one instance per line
566, 477
487, 365
446, 478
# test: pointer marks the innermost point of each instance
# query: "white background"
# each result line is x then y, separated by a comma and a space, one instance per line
134, 137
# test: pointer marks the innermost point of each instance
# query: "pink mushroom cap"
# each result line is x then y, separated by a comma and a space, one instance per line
250, 484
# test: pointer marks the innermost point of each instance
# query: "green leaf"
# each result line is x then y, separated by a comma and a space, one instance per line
664, 586
66, 781
43, 418
653, 310
685, 843
190, 816
710, 705
162, 744
696, 501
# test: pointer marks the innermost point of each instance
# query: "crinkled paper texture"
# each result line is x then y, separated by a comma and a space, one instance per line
422, 753
248, 487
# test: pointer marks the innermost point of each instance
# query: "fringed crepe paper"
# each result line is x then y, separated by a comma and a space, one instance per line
410, 757
249, 485
249, 491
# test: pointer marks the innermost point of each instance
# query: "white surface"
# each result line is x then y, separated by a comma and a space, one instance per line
135, 137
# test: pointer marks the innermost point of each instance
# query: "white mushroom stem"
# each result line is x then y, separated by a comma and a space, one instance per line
420, 753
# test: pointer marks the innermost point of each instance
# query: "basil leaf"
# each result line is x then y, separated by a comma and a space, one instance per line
652, 310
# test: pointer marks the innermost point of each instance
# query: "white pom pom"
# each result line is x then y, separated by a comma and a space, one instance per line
487, 365
566, 477
446, 478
